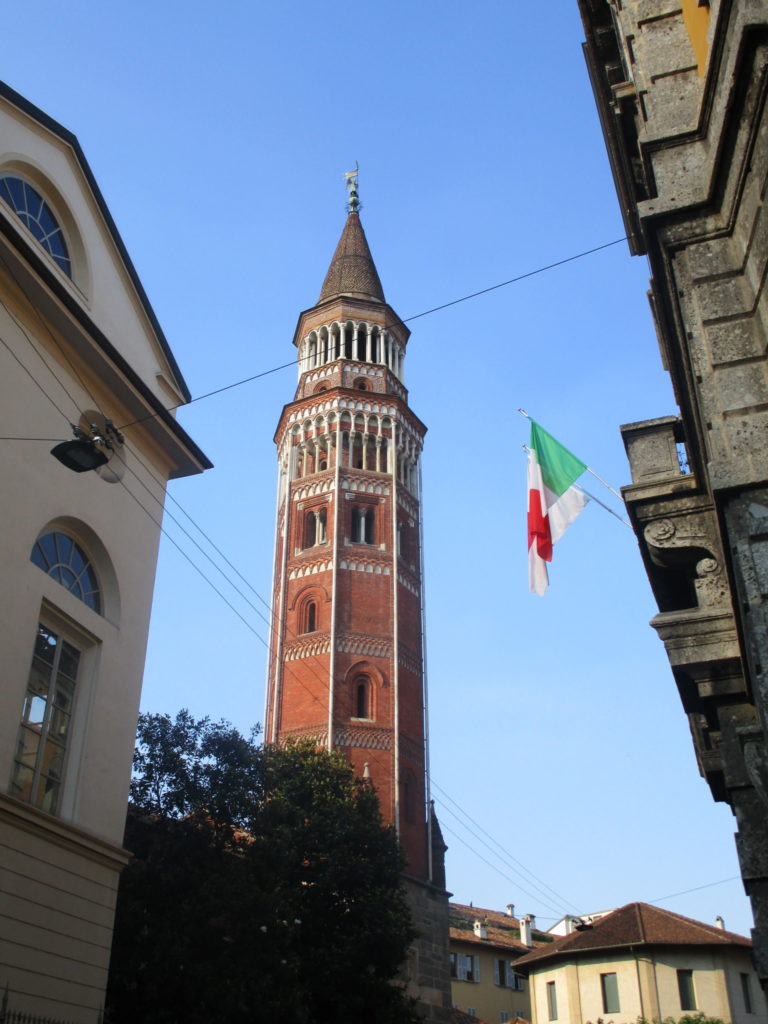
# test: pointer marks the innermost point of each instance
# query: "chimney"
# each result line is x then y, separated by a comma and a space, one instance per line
481, 932
525, 930
510, 910
719, 923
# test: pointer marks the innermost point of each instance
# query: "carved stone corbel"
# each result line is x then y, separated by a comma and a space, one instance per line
689, 543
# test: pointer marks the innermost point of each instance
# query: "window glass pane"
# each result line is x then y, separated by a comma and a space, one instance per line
52, 760
65, 689
34, 710
46, 717
552, 1000
63, 548
21, 784
747, 993
59, 725
47, 222
45, 645
33, 201
48, 798
26, 752
685, 987
610, 989
64, 261
77, 562
16, 188
66, 577
68, 661
44, 552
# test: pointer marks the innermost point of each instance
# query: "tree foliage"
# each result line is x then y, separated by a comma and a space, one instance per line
264, 886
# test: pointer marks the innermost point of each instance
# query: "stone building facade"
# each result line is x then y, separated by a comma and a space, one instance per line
346, 663
681, 88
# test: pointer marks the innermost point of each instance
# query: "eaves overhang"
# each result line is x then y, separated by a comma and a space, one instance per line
29, 268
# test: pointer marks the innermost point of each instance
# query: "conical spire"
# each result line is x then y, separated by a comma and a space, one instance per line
352, 270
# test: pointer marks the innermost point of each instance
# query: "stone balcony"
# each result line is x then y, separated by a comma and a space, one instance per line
676, 527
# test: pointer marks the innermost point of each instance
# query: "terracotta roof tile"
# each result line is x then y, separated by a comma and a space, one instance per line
352, 270
636, 924
502, 930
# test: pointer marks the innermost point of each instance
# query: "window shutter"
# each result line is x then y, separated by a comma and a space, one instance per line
476, 967
497, 973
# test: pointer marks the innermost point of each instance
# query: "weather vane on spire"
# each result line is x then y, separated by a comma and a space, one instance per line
350, 177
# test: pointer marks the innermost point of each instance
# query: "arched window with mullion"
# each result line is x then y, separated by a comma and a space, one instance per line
35, 213
62, 558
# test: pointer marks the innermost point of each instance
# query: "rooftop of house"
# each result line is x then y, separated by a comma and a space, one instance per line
502, 930
636, 924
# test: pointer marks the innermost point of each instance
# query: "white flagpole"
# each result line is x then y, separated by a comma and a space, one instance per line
583, 490
602, 505
594, 474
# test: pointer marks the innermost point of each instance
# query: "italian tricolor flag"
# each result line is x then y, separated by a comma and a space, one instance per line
553, 501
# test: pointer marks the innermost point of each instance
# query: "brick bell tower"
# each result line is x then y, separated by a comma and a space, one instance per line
346, 659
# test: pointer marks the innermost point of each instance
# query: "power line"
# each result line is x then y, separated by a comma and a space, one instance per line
387, 326
498, 870
506, 854
698, 888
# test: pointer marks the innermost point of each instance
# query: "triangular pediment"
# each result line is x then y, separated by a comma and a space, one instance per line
101, 285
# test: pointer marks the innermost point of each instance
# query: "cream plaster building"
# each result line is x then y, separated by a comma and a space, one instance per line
643, 962
79, 344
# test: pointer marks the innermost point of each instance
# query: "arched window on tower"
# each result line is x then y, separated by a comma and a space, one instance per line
310, 530
308, 617
362, 697
362, 525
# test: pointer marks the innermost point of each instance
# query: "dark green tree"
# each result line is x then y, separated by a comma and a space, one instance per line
264, 886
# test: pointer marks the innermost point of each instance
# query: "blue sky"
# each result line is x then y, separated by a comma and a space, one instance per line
219, 135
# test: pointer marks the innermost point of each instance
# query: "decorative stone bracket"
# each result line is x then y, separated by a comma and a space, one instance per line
688, 542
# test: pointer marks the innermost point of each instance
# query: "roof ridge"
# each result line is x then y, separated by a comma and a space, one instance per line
640, 922
712, 930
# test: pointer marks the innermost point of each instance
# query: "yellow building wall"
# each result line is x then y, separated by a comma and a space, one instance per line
486, 998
